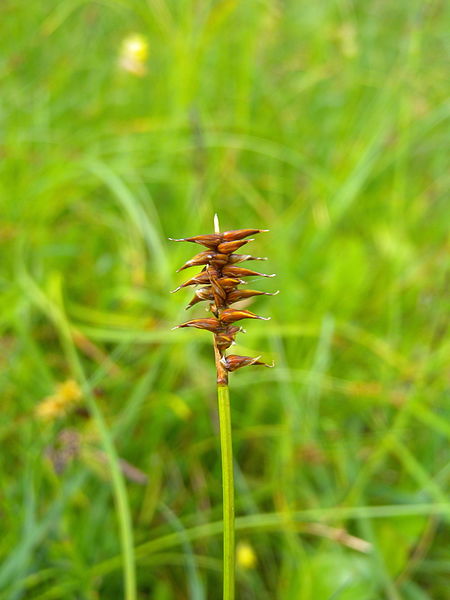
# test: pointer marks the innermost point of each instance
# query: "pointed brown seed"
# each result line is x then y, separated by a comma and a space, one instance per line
234, 361
219, 293
199, 279
229, 283
210, 241
240, 272
229, 247
195, 300
203, 258
200, 295
229, 315
213, 325
239, 234
224, 341
219, 260
237, 295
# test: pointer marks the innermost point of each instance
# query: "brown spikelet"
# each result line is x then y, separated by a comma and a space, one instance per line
210, 241
240, 272
220, 280
229, 315
239, 234
232, 362
230, 283
237, 295
226, 339
197, 280
204, 293
213, 325
229, 247
203, 258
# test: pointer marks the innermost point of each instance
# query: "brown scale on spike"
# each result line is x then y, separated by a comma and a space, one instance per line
229, 247
220, 280
240, 272
203, 258
236, 295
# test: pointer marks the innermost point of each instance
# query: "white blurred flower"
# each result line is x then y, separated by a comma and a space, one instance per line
133, 55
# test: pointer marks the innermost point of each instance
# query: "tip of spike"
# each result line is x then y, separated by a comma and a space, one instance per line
176, 240
216, 223
173, 328
264, 318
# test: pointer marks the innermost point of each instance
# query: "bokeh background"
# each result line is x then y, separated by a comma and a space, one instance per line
124, 122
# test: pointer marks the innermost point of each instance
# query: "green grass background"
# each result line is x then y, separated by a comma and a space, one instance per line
325, 122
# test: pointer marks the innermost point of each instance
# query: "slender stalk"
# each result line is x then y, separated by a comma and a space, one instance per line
221, 278
228, 490
226, 450
117, 479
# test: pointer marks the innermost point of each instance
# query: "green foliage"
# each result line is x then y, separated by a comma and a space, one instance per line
325, 122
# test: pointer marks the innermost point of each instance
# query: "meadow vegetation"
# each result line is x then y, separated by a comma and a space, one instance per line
325, 122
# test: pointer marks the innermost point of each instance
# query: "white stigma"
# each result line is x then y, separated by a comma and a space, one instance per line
216, 224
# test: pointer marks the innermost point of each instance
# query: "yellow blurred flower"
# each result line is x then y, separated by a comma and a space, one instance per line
67, 395
245, 556
133, 54
69, 390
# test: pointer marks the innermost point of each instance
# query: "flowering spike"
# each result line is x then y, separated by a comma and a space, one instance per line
220, 279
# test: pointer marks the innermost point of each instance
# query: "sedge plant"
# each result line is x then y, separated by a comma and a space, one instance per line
218, 283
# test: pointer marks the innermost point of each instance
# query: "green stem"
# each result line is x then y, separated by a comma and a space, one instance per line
228, 491
120, 497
